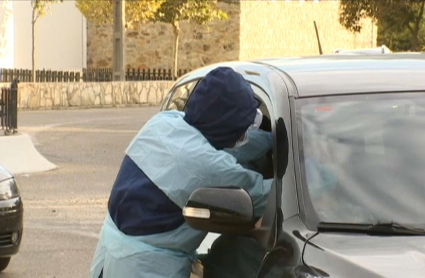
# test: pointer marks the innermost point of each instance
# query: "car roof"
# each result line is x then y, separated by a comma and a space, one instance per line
335, 74
253, 72
347, 74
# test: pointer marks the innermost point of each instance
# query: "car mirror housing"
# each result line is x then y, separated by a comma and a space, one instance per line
220, 210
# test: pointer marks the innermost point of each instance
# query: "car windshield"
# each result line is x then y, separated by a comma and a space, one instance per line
362, 157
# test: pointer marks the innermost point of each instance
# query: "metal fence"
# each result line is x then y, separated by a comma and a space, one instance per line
24, 75
102, 75
9, 108
87, 75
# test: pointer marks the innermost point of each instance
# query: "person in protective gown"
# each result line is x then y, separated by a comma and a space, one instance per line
144, 233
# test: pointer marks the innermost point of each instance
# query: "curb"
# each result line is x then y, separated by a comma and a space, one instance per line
18, 155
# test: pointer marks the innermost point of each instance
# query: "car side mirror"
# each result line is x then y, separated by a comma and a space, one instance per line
220, 210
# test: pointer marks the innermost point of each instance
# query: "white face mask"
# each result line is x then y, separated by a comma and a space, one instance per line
254, 126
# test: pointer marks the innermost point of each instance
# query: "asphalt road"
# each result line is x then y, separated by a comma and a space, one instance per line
64, 208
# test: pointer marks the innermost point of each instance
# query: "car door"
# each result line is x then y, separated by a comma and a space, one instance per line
270, 88
285, 256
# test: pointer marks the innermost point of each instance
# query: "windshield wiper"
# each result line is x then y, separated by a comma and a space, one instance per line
387, 228
396, 229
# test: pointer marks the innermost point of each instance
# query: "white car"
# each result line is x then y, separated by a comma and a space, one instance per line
367, 51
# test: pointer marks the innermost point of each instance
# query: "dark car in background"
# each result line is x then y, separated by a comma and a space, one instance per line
348, 198
11, 217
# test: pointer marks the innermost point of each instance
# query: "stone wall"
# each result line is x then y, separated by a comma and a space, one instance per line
280, 28
255, 29
151, 45
87, 94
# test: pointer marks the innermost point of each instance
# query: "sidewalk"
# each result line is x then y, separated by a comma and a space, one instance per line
18, 155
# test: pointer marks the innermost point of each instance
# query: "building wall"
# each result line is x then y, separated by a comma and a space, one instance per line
286, 28
151, 45
60, 37
6, 34
255, 29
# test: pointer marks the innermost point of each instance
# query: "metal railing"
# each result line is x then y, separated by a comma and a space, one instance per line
87, 75
9, 108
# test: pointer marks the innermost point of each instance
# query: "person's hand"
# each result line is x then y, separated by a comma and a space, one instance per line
258, 223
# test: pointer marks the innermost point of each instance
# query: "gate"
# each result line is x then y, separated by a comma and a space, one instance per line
9, 108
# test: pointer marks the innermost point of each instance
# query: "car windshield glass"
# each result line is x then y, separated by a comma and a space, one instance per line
362, 157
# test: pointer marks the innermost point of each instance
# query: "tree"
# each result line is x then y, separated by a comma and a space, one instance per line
396, 16
175, 11
167, 11
398, 40
100, 11
39, 9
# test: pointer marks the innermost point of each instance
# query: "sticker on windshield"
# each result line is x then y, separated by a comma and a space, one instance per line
323, 109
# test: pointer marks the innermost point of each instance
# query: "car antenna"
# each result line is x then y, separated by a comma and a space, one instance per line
318, 38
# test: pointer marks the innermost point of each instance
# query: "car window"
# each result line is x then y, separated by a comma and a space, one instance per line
362, 157
180, 96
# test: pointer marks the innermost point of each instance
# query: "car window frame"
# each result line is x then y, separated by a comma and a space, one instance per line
264, 98
268, 230
174, 90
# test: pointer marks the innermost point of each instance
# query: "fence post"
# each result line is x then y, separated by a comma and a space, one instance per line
8, 75
43, 75
95, 75
27, 76
91, 76
134, 75
164, 74
140, 75
48, 75
9, 108
14, 105
3, 92
110, 75
14, 74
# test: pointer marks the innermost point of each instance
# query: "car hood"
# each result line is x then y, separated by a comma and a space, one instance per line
369, 256
4, 174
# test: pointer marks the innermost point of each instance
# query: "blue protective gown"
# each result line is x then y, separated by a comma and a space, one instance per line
170, 254
144, 233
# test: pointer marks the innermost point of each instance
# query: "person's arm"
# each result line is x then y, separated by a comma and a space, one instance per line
182, 161
212, 168
259, 143
234, 174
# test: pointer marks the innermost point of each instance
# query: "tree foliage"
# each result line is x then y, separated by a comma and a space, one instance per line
101, 11
397, 17
40, 7
399, 40
175, 11
198, 11
167, 11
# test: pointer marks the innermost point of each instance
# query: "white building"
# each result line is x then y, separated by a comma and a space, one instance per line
61, 37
